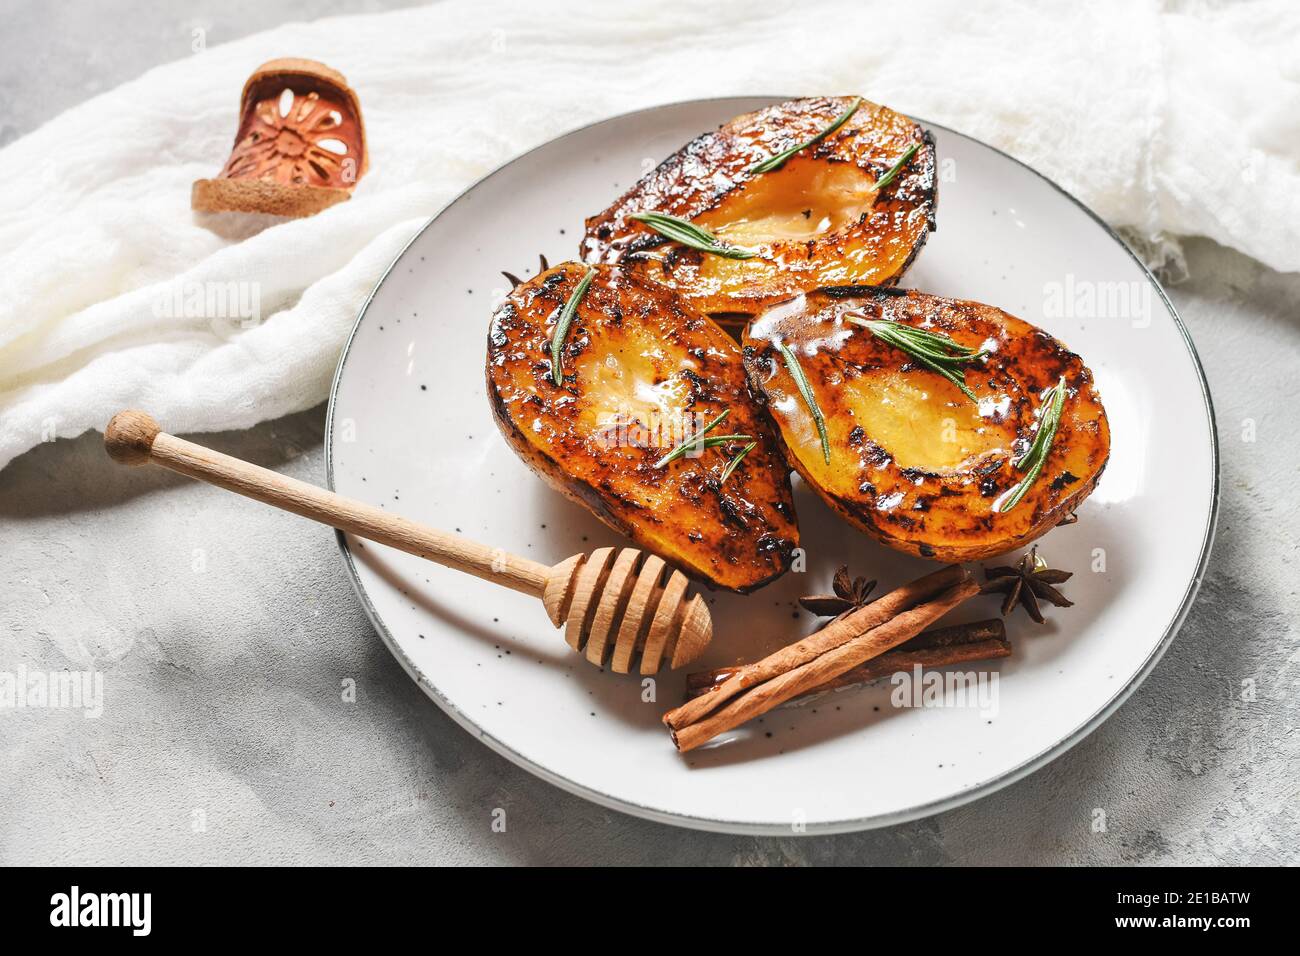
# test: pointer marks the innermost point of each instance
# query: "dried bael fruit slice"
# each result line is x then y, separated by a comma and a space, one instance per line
300, 148
642, 375
815, 220
903, 451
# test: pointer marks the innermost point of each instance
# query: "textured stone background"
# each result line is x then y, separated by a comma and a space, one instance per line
225, 683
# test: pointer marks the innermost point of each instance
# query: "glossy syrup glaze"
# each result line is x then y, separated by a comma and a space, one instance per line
913, 461
643, 371
816, 221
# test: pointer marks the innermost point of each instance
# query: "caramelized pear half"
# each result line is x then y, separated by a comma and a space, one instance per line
913, 461
641, 373
816, 221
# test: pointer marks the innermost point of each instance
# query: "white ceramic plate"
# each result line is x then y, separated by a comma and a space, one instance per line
410, 428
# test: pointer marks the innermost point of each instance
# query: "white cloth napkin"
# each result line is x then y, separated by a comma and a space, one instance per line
1164, 118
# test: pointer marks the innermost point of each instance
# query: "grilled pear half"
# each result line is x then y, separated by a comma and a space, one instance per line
816, 221
909, 458
642, 372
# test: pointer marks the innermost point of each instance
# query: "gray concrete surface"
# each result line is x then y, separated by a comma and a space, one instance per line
224, 630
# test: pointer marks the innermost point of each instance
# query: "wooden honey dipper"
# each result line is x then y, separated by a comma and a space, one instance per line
613, 603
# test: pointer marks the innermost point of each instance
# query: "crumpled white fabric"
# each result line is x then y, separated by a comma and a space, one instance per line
1165, 118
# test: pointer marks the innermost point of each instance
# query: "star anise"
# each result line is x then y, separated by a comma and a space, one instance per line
1030, 580
850, 594
515, 281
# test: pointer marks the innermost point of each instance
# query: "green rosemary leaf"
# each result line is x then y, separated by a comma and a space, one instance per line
693, 441
731, 465
801, 382
714, 440
702, 440
701, 445
773, 163
1036, 456
562, 326
894, 170
935, 351
689, 234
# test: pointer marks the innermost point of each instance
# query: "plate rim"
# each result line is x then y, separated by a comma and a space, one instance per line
716, 825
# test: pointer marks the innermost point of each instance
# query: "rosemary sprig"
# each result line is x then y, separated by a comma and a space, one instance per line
934, 350
773, 163
689, 234
1035, 457
731, 465
894, 170
702, 440
562, 326
801, 382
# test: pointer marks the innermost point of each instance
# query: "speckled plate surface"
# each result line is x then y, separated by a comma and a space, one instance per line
410, 429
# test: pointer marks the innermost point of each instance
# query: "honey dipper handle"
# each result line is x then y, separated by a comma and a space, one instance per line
134, 438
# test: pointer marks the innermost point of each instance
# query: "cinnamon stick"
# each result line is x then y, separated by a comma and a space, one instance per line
906, 660
957, 644
824, 668
833, 635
